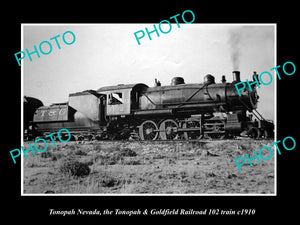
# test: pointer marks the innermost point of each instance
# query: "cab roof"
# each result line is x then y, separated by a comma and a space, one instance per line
123, 86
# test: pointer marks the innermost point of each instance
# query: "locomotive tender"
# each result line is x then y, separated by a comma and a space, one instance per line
176, 111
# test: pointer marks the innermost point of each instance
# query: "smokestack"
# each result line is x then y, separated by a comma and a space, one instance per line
236, 76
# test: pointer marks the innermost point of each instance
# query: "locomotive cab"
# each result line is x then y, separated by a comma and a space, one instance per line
122, 99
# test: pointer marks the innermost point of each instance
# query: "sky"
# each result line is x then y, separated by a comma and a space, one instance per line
108, 54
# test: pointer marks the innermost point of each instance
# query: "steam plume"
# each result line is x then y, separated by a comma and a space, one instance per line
235, 45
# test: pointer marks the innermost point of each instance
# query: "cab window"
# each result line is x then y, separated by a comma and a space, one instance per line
115, 98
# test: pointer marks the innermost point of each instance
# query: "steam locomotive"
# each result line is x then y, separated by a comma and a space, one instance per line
136, 111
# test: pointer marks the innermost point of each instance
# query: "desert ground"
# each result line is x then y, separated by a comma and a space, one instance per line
134, 167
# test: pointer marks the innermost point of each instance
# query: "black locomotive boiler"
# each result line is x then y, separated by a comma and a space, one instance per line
176, 111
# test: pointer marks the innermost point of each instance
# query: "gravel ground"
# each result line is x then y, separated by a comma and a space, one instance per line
205, 167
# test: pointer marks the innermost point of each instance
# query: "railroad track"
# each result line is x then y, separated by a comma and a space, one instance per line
162, 141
